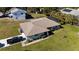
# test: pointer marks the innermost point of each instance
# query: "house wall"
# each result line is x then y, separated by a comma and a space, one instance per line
12, 16
42, 35
21, 17
18, 15
37, 36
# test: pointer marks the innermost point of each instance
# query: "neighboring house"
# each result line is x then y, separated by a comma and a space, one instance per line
1, 14
16, 13
38, 28
70, 11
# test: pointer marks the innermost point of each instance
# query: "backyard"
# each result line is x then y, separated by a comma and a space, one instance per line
37, 15
66, 39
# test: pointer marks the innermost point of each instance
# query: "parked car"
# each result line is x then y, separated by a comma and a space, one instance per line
1, 45
15, 40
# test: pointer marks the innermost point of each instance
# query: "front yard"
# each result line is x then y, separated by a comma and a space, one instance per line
63, 39
66, 38
8, 28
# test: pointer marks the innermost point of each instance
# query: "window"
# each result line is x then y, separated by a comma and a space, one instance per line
21, 13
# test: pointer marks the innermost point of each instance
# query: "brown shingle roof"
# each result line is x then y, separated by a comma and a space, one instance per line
45, 22
37, 26
31, 29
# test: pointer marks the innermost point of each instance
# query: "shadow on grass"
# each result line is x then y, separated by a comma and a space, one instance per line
28, 16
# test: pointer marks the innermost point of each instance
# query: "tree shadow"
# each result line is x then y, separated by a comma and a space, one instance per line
28, 16
53, 18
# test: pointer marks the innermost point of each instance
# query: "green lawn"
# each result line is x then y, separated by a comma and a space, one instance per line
63, 39
8, 28
37, 15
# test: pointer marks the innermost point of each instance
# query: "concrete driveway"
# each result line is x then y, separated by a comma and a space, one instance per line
4, 41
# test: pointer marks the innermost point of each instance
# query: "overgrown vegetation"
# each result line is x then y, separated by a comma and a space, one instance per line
64, 18
53, 12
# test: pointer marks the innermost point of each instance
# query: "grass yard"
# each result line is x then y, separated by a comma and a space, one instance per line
15, 47
37, 15
8, 28
63, 39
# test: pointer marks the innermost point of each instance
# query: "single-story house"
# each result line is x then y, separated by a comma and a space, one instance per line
70, 11
16, 13
38, 28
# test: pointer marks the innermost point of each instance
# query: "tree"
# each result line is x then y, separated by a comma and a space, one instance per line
24, 8
64, 18
43, 10
4, 9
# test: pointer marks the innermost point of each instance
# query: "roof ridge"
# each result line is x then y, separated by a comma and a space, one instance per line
36, 26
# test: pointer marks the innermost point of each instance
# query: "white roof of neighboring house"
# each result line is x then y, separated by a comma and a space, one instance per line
72, 12
13, 10
37, 26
